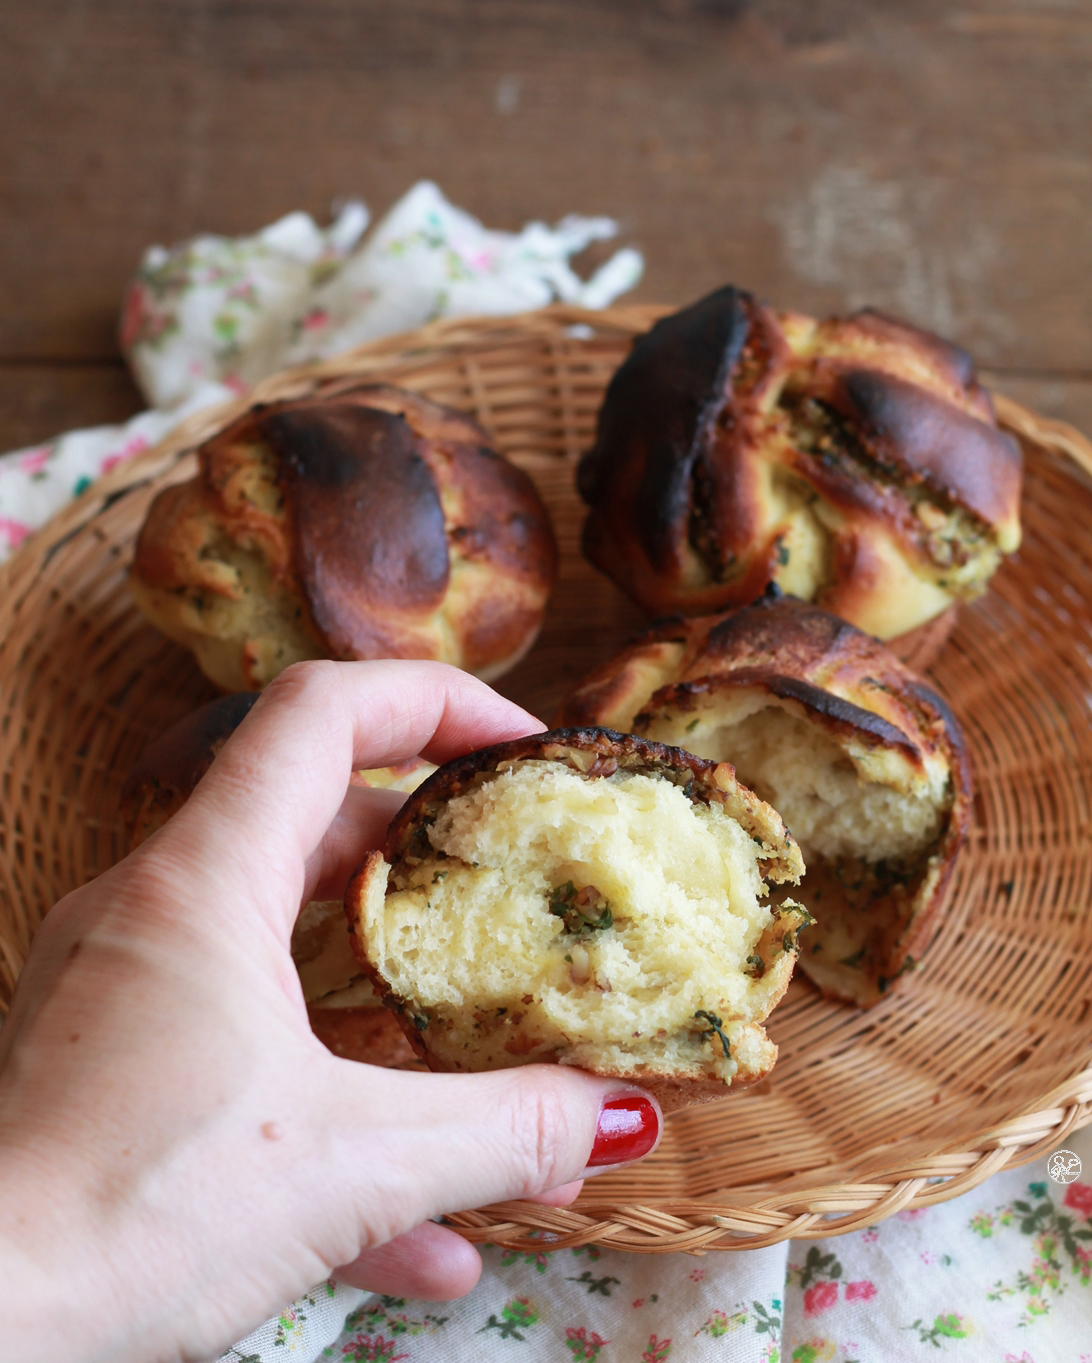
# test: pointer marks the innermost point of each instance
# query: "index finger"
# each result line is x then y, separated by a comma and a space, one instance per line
279, 781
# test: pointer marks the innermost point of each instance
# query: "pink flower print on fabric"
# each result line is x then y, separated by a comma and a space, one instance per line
657, 1351
34, 461
820, 1298
141, 320
862, 1291
1078, 1196
366, 1349
911, 1214
15, 532
584, 1347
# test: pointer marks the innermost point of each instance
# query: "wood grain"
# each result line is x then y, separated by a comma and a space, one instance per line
932, 160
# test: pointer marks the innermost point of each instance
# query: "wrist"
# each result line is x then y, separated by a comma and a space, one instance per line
54, 1297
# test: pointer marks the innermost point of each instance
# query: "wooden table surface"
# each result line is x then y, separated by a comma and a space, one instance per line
931, 159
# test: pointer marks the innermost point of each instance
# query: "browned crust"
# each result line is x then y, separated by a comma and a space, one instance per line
381, 493
164, 777
673, 1093
336, 460
927, 438
719, 397
871, 697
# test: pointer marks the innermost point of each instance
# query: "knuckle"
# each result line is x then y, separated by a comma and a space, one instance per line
300, 678
539, 1133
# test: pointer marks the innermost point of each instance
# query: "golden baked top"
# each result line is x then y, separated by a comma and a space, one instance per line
855, 461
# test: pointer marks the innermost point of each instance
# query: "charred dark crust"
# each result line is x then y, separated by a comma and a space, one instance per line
177, 760
658, 408
774, 621
876, 419
359, 493
930, 440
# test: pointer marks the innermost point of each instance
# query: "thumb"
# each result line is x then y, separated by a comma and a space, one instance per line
439, 1143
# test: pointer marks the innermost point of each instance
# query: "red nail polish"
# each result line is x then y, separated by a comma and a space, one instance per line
628, 1128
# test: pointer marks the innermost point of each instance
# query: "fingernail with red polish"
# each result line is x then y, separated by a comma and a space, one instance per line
628, 1127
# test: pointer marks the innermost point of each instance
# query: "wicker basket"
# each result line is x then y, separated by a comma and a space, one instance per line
984, 1059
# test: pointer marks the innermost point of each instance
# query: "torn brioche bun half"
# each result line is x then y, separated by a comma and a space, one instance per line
863, 760
587, 898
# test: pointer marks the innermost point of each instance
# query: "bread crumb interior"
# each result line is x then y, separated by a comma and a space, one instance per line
590, 921
813, 784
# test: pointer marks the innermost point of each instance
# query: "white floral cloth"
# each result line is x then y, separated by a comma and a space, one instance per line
1002, 1274
204, 320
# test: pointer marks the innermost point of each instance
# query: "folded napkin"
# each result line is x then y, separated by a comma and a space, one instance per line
204, 320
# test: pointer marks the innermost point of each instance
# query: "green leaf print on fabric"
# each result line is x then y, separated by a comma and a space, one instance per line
584, 1347
387, 1313
816, 1267
818, 1277
596, 1285
817, 1350
516, 1314
764, 1322
949, 1325
721, 1323
541, 1260
1061, 1254
292, 1319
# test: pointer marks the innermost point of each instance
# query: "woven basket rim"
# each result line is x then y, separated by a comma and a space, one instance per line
820, 1202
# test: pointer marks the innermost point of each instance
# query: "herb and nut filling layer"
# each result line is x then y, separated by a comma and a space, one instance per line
611, 923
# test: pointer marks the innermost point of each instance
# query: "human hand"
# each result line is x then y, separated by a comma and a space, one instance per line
179, 1156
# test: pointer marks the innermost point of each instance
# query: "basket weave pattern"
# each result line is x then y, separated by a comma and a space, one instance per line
982, 1061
